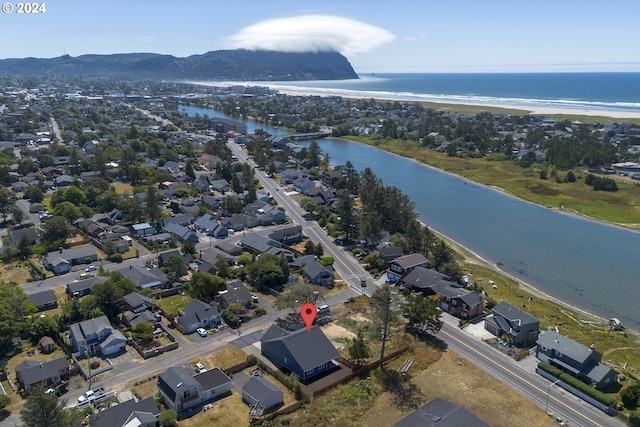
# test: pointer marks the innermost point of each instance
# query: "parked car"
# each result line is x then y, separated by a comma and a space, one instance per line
200, 368
90, 395
91, 268
323, 309
202, 332
254, 297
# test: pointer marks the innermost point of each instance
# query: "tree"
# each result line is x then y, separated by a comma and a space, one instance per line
313, 154
189, 248
46, 410
359, 349
297, 294
44, 327
108, 298
176, 266
222, 266
13, 309
188, 170
422, 313
142, 332
383, 301
55, 231
204, 286
168, 418
7, 202
152, 204
347, 221
68, 211
34, 194
309, 205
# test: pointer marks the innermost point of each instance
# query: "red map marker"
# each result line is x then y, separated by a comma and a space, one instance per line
308, 313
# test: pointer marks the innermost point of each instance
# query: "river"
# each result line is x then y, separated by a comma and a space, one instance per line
586, 264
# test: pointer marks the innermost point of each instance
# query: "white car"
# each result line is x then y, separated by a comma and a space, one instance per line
91, 268
200, 368
202, 332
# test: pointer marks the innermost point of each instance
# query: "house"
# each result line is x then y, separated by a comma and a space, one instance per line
426, 280
521, 327
137, 303
60, 262
94, 229
441, 413
30, 233
43, 300
460, 303
144, 277
180, 391
260, 245
64, 181
389, 252
47, 345
96, 336
229, 248
165, 256
83, 287
287, 235
318, 274
197, 314
143, 229
208, 224
240, 222
261, 395
31, 373
580, 361
126, 413
307, 354
401, 266
236, 293
115, 216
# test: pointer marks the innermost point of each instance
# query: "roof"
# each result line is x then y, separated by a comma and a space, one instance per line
212, 379
566, 346
441, 413
196, 311
118, 415
310, 349
597, 372
85, 283
314, 268
259, 387
33, 372
138, 301
173, 378
72, 253
90, 327
514, 314
42, 298
143, 276
422, 277
410, 260
259, 243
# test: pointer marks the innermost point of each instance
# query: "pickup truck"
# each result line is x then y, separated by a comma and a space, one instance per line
90, 395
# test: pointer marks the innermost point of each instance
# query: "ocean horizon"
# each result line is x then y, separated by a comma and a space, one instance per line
578, 92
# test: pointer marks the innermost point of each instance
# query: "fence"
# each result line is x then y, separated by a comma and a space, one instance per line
146, 354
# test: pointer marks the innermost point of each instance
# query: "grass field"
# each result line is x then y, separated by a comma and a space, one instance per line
173, 303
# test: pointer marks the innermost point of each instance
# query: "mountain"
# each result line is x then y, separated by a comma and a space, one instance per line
236, 65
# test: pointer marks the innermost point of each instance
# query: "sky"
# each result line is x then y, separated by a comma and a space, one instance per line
376, 36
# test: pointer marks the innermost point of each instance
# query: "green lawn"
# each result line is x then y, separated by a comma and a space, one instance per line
173, 303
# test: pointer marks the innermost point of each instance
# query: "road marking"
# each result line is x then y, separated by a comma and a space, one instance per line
518, 376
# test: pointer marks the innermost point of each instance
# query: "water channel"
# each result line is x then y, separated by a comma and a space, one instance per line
586, 264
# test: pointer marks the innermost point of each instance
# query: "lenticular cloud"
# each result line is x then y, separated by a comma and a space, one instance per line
310, 33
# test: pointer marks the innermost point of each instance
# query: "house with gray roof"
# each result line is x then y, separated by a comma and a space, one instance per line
143, 229
197, 314
521, 327
138, 303
240, 222
31, 373
287, 235
43, 300
401, 266
80, 288
60, 261
580, 361
318, 274
181, 391
236, 293
144, 277
183, 234
123, 414
96, 336
308, 354
441, 413
261, 395
208, 224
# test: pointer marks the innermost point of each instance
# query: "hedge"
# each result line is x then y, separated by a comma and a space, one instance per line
577, 384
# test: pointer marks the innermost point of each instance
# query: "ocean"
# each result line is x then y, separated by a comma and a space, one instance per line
581, 91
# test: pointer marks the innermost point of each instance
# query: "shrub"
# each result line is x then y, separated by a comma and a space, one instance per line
94, 365
115, 257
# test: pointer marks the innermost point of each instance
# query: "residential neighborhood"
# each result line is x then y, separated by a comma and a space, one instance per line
165, 257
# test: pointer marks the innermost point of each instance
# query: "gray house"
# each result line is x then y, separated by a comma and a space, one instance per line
308, 354
123, 414
145, 277
401, 266
580, 361
31, 373
261, 395
44, 300
183, 234
318, 274
60, 262
96, 336
197, 314
181, 391
520, 326
208, 224
287, 235
80, 288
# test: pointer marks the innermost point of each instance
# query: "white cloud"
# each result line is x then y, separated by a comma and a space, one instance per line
149, 40
310, 33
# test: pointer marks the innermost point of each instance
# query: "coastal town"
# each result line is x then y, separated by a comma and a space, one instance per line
155, 262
